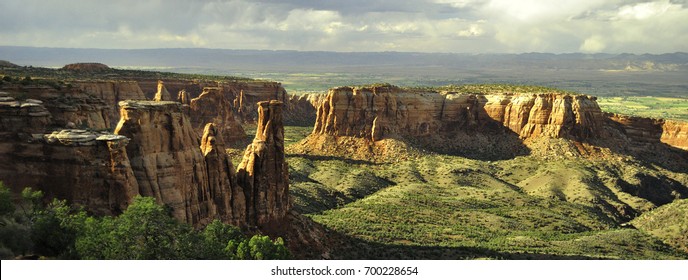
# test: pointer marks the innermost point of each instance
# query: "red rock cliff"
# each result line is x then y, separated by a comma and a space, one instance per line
111, 92
376, 112
213, 107
643, 131
165, 157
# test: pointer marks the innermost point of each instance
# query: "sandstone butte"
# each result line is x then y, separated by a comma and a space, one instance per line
155, 151
505, 124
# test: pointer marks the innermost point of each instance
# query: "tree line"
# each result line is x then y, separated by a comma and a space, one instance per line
145, 230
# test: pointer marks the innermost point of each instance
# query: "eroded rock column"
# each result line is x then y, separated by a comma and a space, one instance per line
263, 172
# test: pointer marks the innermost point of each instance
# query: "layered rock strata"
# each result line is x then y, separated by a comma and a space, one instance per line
486, 126
263, 172
87, 168
21, 120
376, 112
111, 93
243, 95
646, 131
165, 157
213, 107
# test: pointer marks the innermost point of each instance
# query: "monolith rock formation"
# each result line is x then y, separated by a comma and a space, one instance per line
263, 172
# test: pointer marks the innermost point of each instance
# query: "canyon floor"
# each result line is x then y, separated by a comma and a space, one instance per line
437, 206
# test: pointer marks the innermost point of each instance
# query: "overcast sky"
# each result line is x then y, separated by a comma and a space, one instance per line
460, 26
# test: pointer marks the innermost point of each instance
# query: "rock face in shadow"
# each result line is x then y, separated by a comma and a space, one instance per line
89, 170
111, 93
646, 131
197, 179
228, 196
263, 172
213, 107
243, 95
19, 120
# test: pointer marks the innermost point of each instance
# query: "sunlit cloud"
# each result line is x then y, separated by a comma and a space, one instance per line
465, 26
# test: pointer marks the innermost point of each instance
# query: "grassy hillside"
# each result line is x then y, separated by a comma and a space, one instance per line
440, 206
669, 223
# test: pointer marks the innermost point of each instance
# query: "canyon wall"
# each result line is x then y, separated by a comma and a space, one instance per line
485, 126
111, 93
87, 168
646, 131
377, 112
242, 96
212, 106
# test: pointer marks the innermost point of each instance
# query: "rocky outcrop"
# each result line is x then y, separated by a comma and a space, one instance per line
227, 195
87, 168
196, 179
675, 134
263, 172
485, 126
213, 107
165, 157
162, 94
184, 97
21, 120
299, 110
375, 112
243, 95
77, 110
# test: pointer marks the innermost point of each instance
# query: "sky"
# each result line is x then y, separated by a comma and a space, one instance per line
455, 26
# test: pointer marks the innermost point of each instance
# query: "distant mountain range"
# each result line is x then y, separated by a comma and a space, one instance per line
597, 74
297, 61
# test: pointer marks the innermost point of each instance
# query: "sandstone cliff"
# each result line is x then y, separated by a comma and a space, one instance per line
378, 111
243, 95
647, 131
213, 107
263, 172
165, 157
675, 134
111, 92
486, 126
184, 97
196, 179
87, 168
20, 120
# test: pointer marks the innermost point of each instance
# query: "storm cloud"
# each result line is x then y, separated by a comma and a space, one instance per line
460, 26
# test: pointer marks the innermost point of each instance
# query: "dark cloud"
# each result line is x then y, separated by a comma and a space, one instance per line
354, 25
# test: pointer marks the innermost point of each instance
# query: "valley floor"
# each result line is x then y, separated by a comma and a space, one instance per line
448, 207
